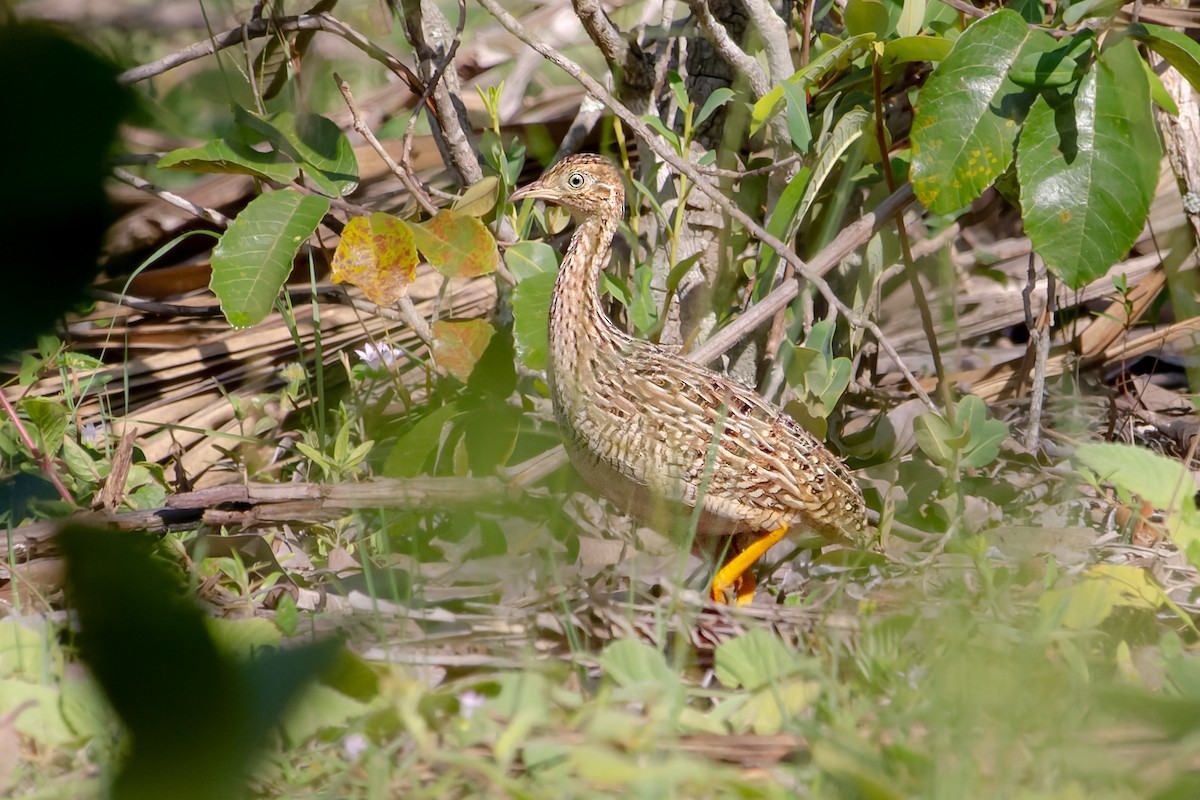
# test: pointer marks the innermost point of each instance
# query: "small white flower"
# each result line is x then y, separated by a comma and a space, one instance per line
469, 702
93, 433
354, 745
376, 355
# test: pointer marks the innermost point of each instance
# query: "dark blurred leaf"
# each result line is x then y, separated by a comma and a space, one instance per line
61, 108
195, 717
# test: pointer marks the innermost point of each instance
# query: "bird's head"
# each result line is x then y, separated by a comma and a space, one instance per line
583, 184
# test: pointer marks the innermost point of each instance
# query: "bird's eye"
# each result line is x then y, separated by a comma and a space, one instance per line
576, 180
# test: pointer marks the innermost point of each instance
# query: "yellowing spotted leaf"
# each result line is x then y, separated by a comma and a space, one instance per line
457, 346
377, 255
457, 245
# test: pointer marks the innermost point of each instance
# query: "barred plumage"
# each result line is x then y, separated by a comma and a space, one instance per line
639, 422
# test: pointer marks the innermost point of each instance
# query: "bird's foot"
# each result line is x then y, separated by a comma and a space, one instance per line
736, 573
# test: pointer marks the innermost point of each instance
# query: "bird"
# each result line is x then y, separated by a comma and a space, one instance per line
664, 438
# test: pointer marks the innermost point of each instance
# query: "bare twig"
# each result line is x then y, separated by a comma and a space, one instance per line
729, 50
259, 28
664, 152
409, 313
774, 36
208, 214
414, 187
427, 29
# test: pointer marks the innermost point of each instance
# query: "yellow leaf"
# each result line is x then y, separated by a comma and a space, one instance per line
377, 255
457, 346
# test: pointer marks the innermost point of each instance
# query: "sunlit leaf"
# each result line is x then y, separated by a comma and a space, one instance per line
1087, 167
1180, 50
527, 258
756, 659
458, 345
233, 157
969, 114
456, 245
480, 198
312, 141
1159, 480
377, 255
254, 257
1089, 602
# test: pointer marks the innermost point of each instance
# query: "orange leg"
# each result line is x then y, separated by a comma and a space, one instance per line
736, 572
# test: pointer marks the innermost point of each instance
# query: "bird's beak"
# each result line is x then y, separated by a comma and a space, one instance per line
531, 192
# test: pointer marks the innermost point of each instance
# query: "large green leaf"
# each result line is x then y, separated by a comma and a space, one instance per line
1180, 50
969, 113
254, 256
531, 309
230, 157
313, 142
1087, 167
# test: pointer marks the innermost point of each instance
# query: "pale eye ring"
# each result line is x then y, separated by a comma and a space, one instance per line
575, 181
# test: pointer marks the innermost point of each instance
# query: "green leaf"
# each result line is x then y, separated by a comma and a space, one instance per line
230, 157
1047, 64
866, 17
480, 198
912, 18
769, 709
1180, 50
797, 117
1088, 166
408, 456
717, 98
755, 660
801, 192
313, 142
907, 49
969, 113
527, 258
456, 245
49, 419
766, 106
661, 128
1161, 481
1089, 602
254, 257
1080, 9
935, 437
631, 663
531, 310
985, 434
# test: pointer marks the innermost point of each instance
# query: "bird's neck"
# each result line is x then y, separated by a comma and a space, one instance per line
582, 337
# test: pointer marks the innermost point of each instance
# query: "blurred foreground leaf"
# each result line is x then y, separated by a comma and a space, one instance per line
196, 718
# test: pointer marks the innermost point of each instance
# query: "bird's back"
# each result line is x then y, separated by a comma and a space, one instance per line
655, 432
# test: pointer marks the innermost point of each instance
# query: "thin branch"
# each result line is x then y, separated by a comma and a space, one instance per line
850, 239
414, 188
627, 59
423, 22
728, 49
774, 35
902, 197
265, 27
207, 214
